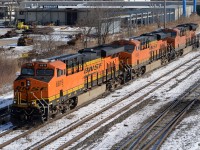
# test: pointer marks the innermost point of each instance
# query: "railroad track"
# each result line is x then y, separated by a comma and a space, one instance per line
93, 138
75, 124
67, 131
7, 131
153, 134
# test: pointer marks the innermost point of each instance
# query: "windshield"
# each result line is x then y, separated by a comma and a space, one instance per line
129, 48
44, 72
27, 71
173, 34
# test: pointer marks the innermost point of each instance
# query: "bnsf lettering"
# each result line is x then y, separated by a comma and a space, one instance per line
123, 57
20, 89
92, 68
39, 89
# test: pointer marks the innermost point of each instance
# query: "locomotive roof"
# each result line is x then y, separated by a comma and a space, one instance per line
183, 28
56, 64
146, 37
65, 57
89, 54
191, 26
60, 57
158, 34
77, 55
169, 31
101, 47
103, 50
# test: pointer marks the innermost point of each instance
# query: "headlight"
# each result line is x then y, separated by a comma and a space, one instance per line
14, 102
28, 83
33, 103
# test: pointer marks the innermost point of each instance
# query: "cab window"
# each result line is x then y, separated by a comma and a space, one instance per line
27, 71
173, 34
60, 72
44, 72
129, 48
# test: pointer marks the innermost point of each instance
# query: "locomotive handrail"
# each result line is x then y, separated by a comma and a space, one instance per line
44, 100
45, 103
39, 101
34, 95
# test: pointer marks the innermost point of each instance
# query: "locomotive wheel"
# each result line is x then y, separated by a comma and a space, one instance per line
181, 52
133, 74
65, 108
73, 102
142, 70
121, 80
109, 86
162, 60
54, 111
112, 85
139, 73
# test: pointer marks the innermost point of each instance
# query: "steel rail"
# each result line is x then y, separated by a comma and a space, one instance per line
147, 127
167, 129
104, 120
130, 94
143, 132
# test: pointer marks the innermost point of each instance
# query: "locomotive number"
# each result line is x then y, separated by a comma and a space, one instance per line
92, 68
59, 83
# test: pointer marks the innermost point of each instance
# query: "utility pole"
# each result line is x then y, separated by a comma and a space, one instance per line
165, 14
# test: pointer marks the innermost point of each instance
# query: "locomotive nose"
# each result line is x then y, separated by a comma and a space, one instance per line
26, 92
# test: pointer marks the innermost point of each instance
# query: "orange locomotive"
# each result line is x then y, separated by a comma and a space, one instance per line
163, 45
47, 87
141, 51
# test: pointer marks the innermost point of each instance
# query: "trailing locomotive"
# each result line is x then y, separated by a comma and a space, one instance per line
47, 87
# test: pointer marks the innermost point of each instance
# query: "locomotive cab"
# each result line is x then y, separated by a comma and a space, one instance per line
31, 89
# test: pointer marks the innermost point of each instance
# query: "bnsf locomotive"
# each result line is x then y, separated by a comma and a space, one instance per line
47, 87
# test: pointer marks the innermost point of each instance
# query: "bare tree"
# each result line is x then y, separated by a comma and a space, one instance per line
107, 23
100, 22
86, 22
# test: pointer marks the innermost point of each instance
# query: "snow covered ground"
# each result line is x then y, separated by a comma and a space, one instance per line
164, 95
60, 34
6, 99
189, 139
4, 30
186, 136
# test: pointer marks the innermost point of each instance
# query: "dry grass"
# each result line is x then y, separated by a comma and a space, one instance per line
192, 19
8, 68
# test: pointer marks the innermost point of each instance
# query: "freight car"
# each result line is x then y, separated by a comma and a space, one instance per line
47, 87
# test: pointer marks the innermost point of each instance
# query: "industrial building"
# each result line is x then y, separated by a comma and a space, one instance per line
67, 12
